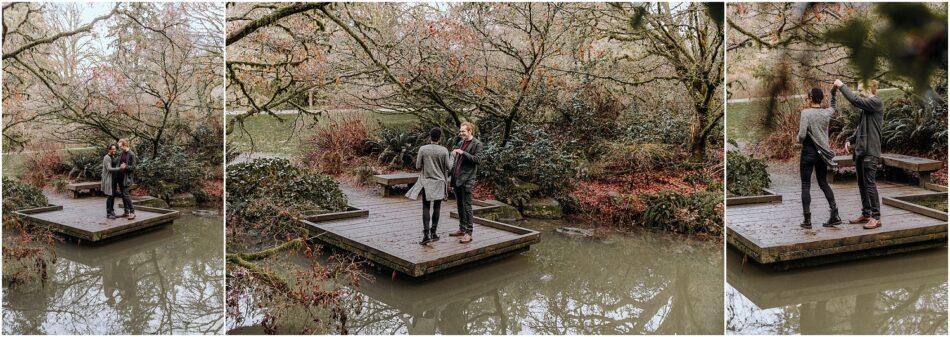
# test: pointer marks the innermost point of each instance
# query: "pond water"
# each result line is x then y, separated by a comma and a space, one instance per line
167, 281
637, 283
901, 294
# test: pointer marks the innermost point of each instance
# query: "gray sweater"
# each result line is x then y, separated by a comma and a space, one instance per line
866, 139
814, 125
435, 162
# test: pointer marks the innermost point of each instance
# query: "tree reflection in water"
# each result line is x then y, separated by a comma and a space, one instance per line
905, 294
631, 284
162, 282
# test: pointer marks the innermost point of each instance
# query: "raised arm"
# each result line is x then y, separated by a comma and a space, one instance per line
865, 104
834, 99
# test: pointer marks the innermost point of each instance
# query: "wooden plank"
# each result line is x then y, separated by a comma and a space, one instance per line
94, 185
352, 212
396, 178
768, 196
911, 163
907, 203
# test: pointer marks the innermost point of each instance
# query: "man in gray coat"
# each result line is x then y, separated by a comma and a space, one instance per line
467, 157
123, 178
109, 169
866, 142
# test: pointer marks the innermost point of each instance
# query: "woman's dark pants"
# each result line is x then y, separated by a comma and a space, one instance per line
811, 161
436, 205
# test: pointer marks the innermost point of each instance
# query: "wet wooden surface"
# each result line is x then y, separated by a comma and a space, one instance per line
391, 233
770, 233
85, 218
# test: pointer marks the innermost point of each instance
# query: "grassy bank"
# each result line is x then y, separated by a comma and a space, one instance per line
13, 162
742, 117
286, 134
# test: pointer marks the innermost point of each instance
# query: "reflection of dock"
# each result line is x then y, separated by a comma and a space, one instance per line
99, 255
86, 219
769, 289
415, 297
769, 233
389, 236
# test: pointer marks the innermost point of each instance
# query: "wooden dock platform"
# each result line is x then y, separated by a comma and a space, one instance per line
769, 233
85, 218
391, 232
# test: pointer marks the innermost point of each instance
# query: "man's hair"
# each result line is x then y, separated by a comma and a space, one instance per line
469, 126
122, 141
816, 95
869, 87
435, 134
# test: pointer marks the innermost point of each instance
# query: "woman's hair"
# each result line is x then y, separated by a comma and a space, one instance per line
816, 95
435, 134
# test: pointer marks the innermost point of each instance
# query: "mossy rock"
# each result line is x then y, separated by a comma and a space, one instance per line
499, 212
183, 200
149, 201
543, 208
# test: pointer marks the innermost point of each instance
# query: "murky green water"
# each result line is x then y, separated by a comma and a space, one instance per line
631, 284
167, 281
903, 294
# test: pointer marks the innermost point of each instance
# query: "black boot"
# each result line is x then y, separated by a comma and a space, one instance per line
833, 220
807, 222
432, 236
425, 239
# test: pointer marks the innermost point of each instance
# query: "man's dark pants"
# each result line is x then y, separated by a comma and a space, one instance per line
119, 186
866, 167
463, 199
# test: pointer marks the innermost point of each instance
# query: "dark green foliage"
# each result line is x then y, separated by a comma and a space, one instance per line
530, 156
588, 121
205, 143
700, 212
396, 148
656, 127
282, 182
172, 172
911, 126
85, 165
745, 175
18, 195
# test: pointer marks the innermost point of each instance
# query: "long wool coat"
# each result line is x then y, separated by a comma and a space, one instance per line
108, 169
435, 162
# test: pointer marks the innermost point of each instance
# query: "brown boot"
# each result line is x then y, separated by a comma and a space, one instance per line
457, 233
861, 219
466, 239
872, 224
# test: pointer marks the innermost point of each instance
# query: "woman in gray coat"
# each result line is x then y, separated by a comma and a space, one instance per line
816, 155
434, 161
110, 165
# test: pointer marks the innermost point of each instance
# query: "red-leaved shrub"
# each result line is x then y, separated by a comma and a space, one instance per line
335, 144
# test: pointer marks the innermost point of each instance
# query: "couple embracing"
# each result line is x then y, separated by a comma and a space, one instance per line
117, 168
437, 166
865, 143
